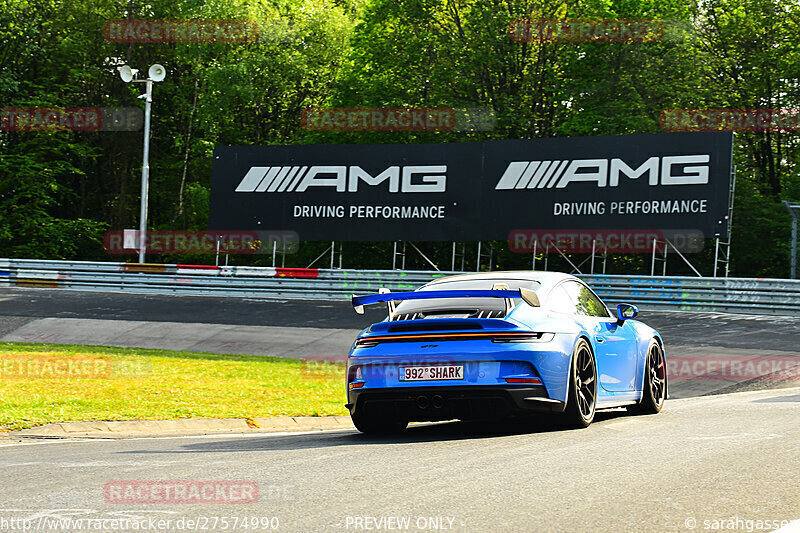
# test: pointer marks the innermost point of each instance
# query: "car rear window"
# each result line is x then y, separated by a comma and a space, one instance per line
461, 307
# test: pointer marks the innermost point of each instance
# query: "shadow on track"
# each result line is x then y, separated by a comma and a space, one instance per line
415, 434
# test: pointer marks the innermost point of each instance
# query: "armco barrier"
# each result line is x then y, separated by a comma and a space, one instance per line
739, 295
267, 282
728, 295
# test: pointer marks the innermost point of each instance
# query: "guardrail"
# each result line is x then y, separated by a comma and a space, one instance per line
739, 295
252, 282
725, 295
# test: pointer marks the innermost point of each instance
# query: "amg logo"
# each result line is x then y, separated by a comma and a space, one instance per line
604, 172
416, 178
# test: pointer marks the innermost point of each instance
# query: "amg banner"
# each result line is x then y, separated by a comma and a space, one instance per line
475, 191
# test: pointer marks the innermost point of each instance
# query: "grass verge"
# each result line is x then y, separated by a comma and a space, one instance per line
44, 383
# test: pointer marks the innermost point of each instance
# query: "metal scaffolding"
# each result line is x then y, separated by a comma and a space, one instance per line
722, 245
794, 209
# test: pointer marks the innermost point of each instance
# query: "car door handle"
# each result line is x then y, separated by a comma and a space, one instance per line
601, 339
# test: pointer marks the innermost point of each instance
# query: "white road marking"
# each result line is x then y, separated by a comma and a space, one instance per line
219, 436
750, 437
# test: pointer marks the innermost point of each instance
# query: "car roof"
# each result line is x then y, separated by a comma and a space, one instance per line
546, 279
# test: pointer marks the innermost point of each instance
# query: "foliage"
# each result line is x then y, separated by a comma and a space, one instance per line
59, 191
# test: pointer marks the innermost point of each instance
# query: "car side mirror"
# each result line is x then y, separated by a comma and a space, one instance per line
626, 312
529, 297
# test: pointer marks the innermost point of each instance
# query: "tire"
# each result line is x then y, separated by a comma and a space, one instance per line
582, 398
654, 386
372, 423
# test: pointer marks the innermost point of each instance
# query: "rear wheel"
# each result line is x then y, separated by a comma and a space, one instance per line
582, 387
376, 423
654, 388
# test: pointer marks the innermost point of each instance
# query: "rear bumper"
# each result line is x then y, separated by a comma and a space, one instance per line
449, 402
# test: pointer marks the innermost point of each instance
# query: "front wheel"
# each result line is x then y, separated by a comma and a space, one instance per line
654, 388
582, 387
376, 423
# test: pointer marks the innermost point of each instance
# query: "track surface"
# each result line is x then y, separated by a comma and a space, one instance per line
20, 306
284, 328
712, 458
326, 329
700, 462
23, 305
44, 303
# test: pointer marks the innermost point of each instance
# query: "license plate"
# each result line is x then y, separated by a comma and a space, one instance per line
431, 373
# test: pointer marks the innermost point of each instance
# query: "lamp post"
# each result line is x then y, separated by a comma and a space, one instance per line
156, 73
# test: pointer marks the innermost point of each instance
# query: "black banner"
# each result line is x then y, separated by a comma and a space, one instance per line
475, 191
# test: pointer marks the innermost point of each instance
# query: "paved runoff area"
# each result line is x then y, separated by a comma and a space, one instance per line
707, 352
716, 463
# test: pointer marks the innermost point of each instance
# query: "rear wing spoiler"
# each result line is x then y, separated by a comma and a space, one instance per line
528, 295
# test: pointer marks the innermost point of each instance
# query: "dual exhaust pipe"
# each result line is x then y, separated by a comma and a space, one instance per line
436, 401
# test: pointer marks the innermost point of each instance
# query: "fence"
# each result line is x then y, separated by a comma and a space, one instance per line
740, 295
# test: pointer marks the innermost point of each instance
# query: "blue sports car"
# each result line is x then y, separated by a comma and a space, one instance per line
498, 344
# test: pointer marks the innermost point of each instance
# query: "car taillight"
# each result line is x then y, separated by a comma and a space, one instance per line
508, 336
533, 381
357, 385
534, 337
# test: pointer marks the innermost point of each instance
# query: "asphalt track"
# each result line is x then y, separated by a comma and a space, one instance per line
725, 462
326, 329
22, 306
717, 463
